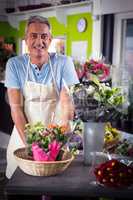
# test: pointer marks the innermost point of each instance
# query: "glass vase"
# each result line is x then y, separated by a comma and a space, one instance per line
93, 140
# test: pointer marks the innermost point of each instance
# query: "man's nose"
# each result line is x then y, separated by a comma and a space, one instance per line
39, 40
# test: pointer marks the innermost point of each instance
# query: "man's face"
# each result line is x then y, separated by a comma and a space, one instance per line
38, 39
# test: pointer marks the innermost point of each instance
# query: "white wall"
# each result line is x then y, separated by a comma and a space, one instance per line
97, 36
112, 6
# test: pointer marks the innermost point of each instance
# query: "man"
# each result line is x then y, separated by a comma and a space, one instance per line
37, 86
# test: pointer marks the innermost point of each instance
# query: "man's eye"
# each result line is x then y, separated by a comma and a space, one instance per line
44, 36
33, 35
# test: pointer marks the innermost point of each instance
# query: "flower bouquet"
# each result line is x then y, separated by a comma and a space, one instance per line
118, 144
50, 149
98, 68
111, 137
92, 67
114, 173
96, 101
48, 143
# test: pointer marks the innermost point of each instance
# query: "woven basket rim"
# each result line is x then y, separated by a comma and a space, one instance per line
41, 162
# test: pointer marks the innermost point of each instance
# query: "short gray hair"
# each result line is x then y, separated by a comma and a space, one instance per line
39, 19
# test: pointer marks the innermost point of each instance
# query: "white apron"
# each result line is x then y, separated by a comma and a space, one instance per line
39, 105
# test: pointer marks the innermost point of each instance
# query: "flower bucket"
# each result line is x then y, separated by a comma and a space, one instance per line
93, 140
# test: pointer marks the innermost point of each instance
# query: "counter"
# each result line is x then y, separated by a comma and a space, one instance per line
77, 181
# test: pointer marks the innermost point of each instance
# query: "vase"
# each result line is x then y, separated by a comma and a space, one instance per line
93, 140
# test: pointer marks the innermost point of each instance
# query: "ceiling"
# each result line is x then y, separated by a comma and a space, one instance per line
9, 6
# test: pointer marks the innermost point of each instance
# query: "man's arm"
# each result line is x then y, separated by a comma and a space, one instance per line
16, 105
69, 78
67, 106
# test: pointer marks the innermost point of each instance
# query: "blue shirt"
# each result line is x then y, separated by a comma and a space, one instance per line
63, 68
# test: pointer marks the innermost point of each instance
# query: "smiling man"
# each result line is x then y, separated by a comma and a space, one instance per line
38, 39
37, 85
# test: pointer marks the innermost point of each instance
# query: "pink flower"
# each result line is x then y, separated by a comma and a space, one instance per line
98, 68
54, 149
38, 153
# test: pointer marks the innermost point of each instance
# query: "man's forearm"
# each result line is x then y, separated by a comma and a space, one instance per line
19, 121
66, 105
67, 110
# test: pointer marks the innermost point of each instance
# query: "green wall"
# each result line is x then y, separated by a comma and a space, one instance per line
21, 31
74, 35
58, 29
69, 32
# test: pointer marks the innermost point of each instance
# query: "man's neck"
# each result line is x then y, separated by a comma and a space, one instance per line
39, 61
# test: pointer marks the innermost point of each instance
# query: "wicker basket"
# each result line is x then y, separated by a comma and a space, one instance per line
41, 168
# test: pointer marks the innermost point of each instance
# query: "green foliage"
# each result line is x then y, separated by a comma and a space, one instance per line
108, 96
103, 102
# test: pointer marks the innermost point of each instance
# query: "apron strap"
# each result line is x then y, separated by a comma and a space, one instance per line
28, 70
55, 83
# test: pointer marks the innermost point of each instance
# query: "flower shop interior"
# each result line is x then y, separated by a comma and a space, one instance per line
98, 36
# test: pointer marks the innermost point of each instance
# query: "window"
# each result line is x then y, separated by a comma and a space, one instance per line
123, 48
123, 56
127, 53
